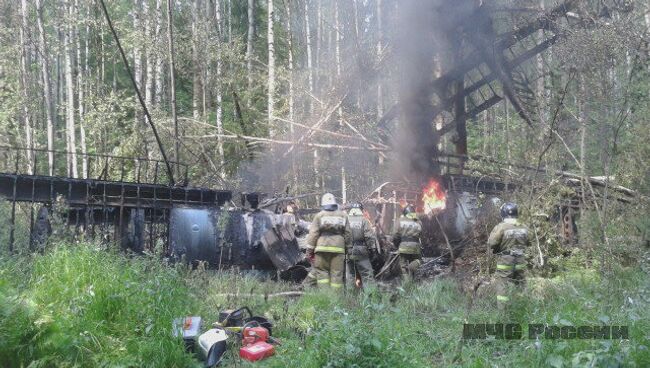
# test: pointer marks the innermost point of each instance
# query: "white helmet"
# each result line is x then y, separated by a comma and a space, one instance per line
328, 200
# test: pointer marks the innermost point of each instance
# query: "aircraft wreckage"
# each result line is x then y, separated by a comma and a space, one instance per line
138, 204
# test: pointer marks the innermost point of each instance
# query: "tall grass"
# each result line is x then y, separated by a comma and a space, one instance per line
86, 307
81, 306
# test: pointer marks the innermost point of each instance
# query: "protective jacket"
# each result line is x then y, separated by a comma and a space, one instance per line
363, 237
509, 236
330, 232
407, 235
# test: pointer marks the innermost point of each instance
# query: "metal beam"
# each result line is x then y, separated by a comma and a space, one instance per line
98, 193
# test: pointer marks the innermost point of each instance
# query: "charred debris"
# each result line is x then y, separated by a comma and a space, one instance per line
472, 63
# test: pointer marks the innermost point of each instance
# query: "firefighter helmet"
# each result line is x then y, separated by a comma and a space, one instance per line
355, 209
328, 200
509, 210
408, 210
357, 205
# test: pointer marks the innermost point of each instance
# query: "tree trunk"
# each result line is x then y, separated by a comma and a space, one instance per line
249, 49
582, 95
137, 61
316, 169
271, 64
310, 69
158, 79
218, 86
196, 70
540, 83
149, 55
380, 94
71, 143
229, 5
319, 40
172, 82
290, 61
292, 131
337, 39
80, 92
47, 88
25, 80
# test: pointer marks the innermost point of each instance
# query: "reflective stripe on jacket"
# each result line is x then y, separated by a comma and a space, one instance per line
407, 235
363, 237
330, 232
509, 235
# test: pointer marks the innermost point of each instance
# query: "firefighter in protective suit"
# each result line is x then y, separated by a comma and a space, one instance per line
508, 240
328, 240
407, 239
363, 244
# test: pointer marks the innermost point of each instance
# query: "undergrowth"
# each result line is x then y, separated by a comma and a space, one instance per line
83, 306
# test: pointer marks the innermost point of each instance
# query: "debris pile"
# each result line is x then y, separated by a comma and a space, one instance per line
235, 328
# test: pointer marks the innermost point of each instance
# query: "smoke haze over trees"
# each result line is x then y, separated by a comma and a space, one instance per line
270, 94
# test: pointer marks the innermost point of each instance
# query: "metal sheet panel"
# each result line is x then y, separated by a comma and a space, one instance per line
193, 234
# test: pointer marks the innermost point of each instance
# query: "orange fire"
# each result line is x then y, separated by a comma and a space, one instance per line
433, 197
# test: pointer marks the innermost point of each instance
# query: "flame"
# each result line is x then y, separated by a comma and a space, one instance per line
433, 197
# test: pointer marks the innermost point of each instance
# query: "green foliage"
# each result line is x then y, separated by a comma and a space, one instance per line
85, 307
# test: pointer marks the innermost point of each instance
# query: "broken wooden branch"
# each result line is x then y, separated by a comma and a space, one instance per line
285, 294
449, 247
317, 125
289, 143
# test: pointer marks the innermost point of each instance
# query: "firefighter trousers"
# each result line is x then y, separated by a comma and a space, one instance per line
328, 269
359, 267
510, 274
408, 263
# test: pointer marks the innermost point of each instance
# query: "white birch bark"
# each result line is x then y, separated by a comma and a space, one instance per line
310, 68
380, 35
149, 55
24, 77
196, 87
137, 58
219, 95
158, 79
47, 88
71, 142
80, 91
172, 80
291, 91
229, 5
249, 49
319, 38
271, 66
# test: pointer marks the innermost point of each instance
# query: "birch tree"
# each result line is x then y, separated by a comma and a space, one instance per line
158, 79
71, 142
81, 70
271, 63
47, 88
380, 35
24, 82
219, 95
172, 79
137, 58
149, 54
310, 69
291, 90
249, 47
196, 87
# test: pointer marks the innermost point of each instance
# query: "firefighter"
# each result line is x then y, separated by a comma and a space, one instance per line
363, 245
508, 240
327, 242
407, 238
290, 217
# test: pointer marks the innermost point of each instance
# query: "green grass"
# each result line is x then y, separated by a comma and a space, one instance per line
82, 306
